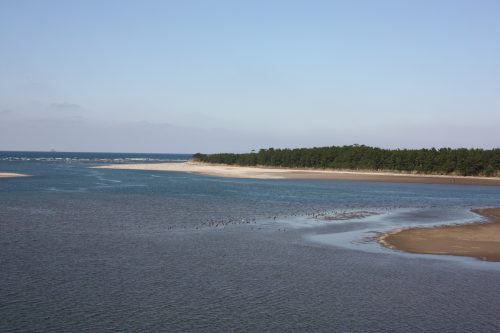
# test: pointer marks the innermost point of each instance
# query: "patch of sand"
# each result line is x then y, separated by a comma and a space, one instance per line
286, 173
478, 240
11, 174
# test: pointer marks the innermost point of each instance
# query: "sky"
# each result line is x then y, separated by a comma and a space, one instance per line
212, 76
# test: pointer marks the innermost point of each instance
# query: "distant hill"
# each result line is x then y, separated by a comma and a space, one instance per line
446, 161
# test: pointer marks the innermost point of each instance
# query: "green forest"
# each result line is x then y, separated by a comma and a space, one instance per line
444, 161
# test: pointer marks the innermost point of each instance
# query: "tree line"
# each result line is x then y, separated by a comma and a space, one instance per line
445, 161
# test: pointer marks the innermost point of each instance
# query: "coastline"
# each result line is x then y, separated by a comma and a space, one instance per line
11, 175
230, 171
479, 240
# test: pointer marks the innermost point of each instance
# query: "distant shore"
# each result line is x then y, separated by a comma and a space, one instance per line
478, 240
231, 171
11, 174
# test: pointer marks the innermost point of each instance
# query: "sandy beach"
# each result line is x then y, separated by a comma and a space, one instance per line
284, 173
11, 174
478, 240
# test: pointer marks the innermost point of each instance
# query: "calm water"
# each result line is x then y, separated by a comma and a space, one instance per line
85, 249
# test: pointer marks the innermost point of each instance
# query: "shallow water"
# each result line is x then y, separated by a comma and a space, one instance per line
94, 249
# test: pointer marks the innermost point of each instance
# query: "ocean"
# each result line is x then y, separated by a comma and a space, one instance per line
84, 249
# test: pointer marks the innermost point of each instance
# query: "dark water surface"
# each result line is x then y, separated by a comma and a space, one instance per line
85, 249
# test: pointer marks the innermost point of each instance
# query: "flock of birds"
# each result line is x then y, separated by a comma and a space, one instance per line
212, 222
314, 214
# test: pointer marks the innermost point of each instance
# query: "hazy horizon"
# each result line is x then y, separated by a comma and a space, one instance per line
222, 76
212, 152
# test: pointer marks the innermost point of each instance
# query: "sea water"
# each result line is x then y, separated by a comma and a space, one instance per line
85, 249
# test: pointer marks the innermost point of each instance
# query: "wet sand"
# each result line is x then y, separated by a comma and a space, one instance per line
478, 240
285, 173
11, 174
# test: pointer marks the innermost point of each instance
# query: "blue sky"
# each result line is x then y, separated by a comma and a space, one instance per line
188, 76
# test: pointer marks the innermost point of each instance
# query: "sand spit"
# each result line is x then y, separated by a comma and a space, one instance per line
284, 173
479, 240
11, 174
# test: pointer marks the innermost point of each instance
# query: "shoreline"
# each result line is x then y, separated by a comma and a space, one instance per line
220, 170
12, 175
480, 240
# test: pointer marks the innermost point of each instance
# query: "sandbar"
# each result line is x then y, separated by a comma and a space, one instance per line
478, 240
231, 171
11, 174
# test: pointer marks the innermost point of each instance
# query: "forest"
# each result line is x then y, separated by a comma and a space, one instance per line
443, 161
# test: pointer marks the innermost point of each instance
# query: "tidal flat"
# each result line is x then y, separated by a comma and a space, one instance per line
139, 250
